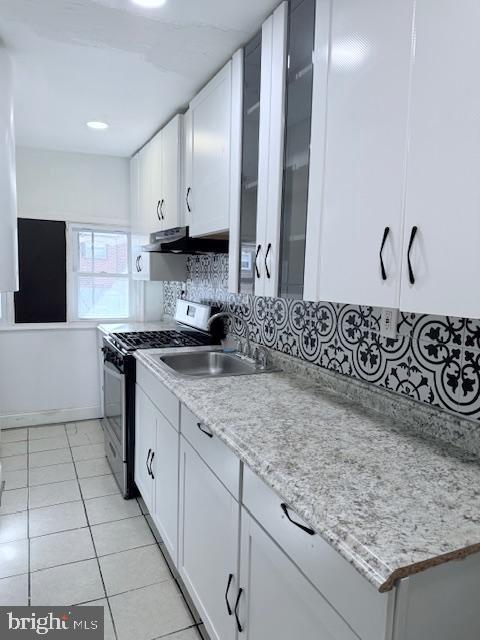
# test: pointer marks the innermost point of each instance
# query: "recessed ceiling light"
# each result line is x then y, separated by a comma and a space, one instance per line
149, 4
96, 124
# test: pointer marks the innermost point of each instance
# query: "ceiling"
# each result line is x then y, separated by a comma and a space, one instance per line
110, 60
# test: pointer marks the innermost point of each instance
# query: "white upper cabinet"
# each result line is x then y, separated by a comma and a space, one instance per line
215, 164
8, 190
171, 209
354, 244
443, 185
271, 150
187, 169
255, 233
156, 181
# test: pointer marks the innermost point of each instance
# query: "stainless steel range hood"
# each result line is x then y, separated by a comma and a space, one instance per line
178, 240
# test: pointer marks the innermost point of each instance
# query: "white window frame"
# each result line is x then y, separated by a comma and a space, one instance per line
73, 274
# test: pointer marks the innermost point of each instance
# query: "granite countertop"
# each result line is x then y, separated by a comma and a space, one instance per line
390, 502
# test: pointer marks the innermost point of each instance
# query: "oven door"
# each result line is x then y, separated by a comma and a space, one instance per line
114, 407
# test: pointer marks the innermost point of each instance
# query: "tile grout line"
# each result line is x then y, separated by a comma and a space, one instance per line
196, 624
94, 549
146, 516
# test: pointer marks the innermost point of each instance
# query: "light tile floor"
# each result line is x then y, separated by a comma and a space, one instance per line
68, 537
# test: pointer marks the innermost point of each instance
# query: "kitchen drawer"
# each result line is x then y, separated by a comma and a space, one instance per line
162, 398
223, 462
355, 599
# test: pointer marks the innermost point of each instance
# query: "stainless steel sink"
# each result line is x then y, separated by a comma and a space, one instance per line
208, 364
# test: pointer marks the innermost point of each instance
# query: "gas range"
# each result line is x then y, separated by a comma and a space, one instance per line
119, 381
167, 338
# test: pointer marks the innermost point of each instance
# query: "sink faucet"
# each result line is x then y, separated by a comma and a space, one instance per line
229, 314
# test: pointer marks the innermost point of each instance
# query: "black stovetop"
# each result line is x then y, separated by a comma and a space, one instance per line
161, 339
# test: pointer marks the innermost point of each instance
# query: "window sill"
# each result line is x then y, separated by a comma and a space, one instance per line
50, 326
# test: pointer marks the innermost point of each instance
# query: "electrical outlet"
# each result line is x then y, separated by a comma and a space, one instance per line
388, 323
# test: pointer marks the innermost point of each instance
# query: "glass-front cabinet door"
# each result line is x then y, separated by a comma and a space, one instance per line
298, 111
251, 122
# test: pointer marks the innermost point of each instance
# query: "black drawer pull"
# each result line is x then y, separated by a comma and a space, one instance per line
229, 608
207, 433
158, 210
146, 462
310, 532
151, 460
411, 275
384, 239
187, 200
161, 208
239, 626
269, 246
256, 261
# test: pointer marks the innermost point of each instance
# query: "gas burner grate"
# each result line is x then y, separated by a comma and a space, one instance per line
161, 339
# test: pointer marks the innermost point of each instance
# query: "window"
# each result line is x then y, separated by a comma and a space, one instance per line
101, 288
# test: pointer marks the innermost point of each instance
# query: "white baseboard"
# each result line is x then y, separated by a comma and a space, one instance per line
54, 416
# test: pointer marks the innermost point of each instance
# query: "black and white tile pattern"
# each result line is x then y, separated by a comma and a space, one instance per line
434, 359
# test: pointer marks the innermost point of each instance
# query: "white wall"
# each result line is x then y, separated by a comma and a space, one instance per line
48, 376
76, 187
52, 375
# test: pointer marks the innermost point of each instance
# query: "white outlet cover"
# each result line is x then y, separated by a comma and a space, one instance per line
388, 323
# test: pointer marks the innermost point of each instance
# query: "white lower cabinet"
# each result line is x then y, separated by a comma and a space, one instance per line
208, 543
156, 462
277, 601
145, 425
165, 509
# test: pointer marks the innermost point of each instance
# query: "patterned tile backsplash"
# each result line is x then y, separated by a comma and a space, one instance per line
434, 359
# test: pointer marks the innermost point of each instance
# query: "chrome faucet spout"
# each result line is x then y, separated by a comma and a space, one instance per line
229, 314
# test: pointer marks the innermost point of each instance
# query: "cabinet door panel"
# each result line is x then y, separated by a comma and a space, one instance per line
278, 601
208, 549
165, 512
365, 152
154, 170
211, 111
443, 186
298, 111
187, 168
171, 174
145, 414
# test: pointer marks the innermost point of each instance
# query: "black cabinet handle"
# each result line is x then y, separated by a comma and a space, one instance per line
229, 608
151, 460
310, 532
207, 433
265, 260
140, 261
256, 259
411, 275
239, 626
136, 263
158, 210
146, 462
187, 200
384, 239
161, 208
